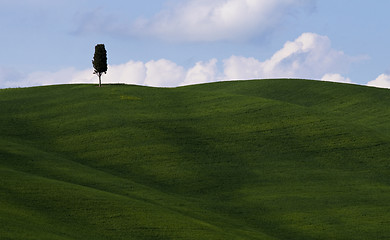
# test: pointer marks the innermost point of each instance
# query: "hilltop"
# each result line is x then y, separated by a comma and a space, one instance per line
266, 159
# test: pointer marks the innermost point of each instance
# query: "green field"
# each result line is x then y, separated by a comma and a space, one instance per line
268, 159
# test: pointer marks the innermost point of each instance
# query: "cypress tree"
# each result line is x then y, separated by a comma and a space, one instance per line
99, 61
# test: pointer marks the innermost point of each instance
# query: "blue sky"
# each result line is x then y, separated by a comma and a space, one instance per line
178, 42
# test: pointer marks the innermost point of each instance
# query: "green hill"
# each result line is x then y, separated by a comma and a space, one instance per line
269, 159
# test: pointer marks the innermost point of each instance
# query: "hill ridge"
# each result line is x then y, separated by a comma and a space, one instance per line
267, 159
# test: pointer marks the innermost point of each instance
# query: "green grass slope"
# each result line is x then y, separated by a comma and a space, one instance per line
269, 159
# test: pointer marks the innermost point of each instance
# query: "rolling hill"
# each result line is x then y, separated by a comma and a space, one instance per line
267, 159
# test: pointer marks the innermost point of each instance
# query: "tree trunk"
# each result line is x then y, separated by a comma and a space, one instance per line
100, 79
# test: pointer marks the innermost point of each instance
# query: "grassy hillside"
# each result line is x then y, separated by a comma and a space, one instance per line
270, 159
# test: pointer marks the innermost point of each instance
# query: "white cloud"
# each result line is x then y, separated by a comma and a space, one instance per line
237, 67
8, 76
12, 79
132, 72
163, 73
50, 78
309, 56
202, 72
382, 81
335, 77
215, 20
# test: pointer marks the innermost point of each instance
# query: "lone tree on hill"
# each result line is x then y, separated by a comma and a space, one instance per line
99, 61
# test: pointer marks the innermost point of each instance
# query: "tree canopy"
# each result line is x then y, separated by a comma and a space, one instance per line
99, 61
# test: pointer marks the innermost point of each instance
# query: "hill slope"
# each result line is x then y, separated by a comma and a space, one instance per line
269, 159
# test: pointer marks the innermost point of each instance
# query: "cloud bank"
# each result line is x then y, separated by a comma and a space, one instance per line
199, 20
215, 20
383, 81
335, 77
310, 56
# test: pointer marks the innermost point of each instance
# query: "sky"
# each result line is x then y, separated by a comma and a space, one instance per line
169, 43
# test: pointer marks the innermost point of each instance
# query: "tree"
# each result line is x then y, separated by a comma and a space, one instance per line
99, 61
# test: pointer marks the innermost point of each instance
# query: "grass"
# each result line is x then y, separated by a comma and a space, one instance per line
269, 159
